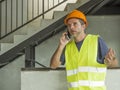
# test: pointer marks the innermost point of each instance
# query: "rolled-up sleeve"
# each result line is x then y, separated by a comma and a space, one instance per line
102, 50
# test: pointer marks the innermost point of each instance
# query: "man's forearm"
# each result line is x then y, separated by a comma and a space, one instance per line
55, 60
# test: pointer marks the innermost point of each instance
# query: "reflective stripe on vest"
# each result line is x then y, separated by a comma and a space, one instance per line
86, 69
87, 83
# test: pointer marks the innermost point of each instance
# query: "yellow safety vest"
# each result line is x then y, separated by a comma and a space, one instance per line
83, 70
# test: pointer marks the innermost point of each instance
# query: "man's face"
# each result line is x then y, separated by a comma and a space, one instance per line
75, 27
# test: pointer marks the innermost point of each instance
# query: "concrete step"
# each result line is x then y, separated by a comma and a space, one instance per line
33, 27
20, 38
46, 22
59, 14
9, 38
72, 6
5, 47
61, 7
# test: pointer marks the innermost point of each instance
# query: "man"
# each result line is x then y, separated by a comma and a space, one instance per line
86, 56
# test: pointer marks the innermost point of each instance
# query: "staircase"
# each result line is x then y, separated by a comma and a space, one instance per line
25, 32
32, 28
12, 43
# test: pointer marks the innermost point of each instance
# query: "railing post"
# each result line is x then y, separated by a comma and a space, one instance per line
11, 14
30, 57
6, 17
32, 9
16, 13
0, 18
43, 9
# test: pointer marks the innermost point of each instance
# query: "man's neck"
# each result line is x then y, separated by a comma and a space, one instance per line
80, 37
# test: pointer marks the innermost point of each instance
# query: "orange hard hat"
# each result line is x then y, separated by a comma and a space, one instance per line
76, 14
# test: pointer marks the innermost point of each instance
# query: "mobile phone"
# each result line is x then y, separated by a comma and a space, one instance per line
68, 36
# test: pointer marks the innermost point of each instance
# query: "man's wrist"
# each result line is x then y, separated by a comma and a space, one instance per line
107, 62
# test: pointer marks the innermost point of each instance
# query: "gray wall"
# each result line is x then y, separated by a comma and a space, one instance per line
10, 75
56, 80
108, 27
43, 80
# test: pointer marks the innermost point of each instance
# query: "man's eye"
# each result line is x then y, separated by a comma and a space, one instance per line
75, 24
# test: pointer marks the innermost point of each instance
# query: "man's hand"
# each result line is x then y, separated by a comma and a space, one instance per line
110, 59
63, 39
55, 59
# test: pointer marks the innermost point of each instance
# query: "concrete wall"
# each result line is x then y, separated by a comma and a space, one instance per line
108, 27
10, 75
43, 80
56, 80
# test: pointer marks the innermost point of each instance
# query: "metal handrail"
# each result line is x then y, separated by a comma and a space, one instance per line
14, 15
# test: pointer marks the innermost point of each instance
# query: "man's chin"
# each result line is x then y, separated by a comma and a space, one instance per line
74, 35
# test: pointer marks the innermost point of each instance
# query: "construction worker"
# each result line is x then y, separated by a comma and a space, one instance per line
86, 56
